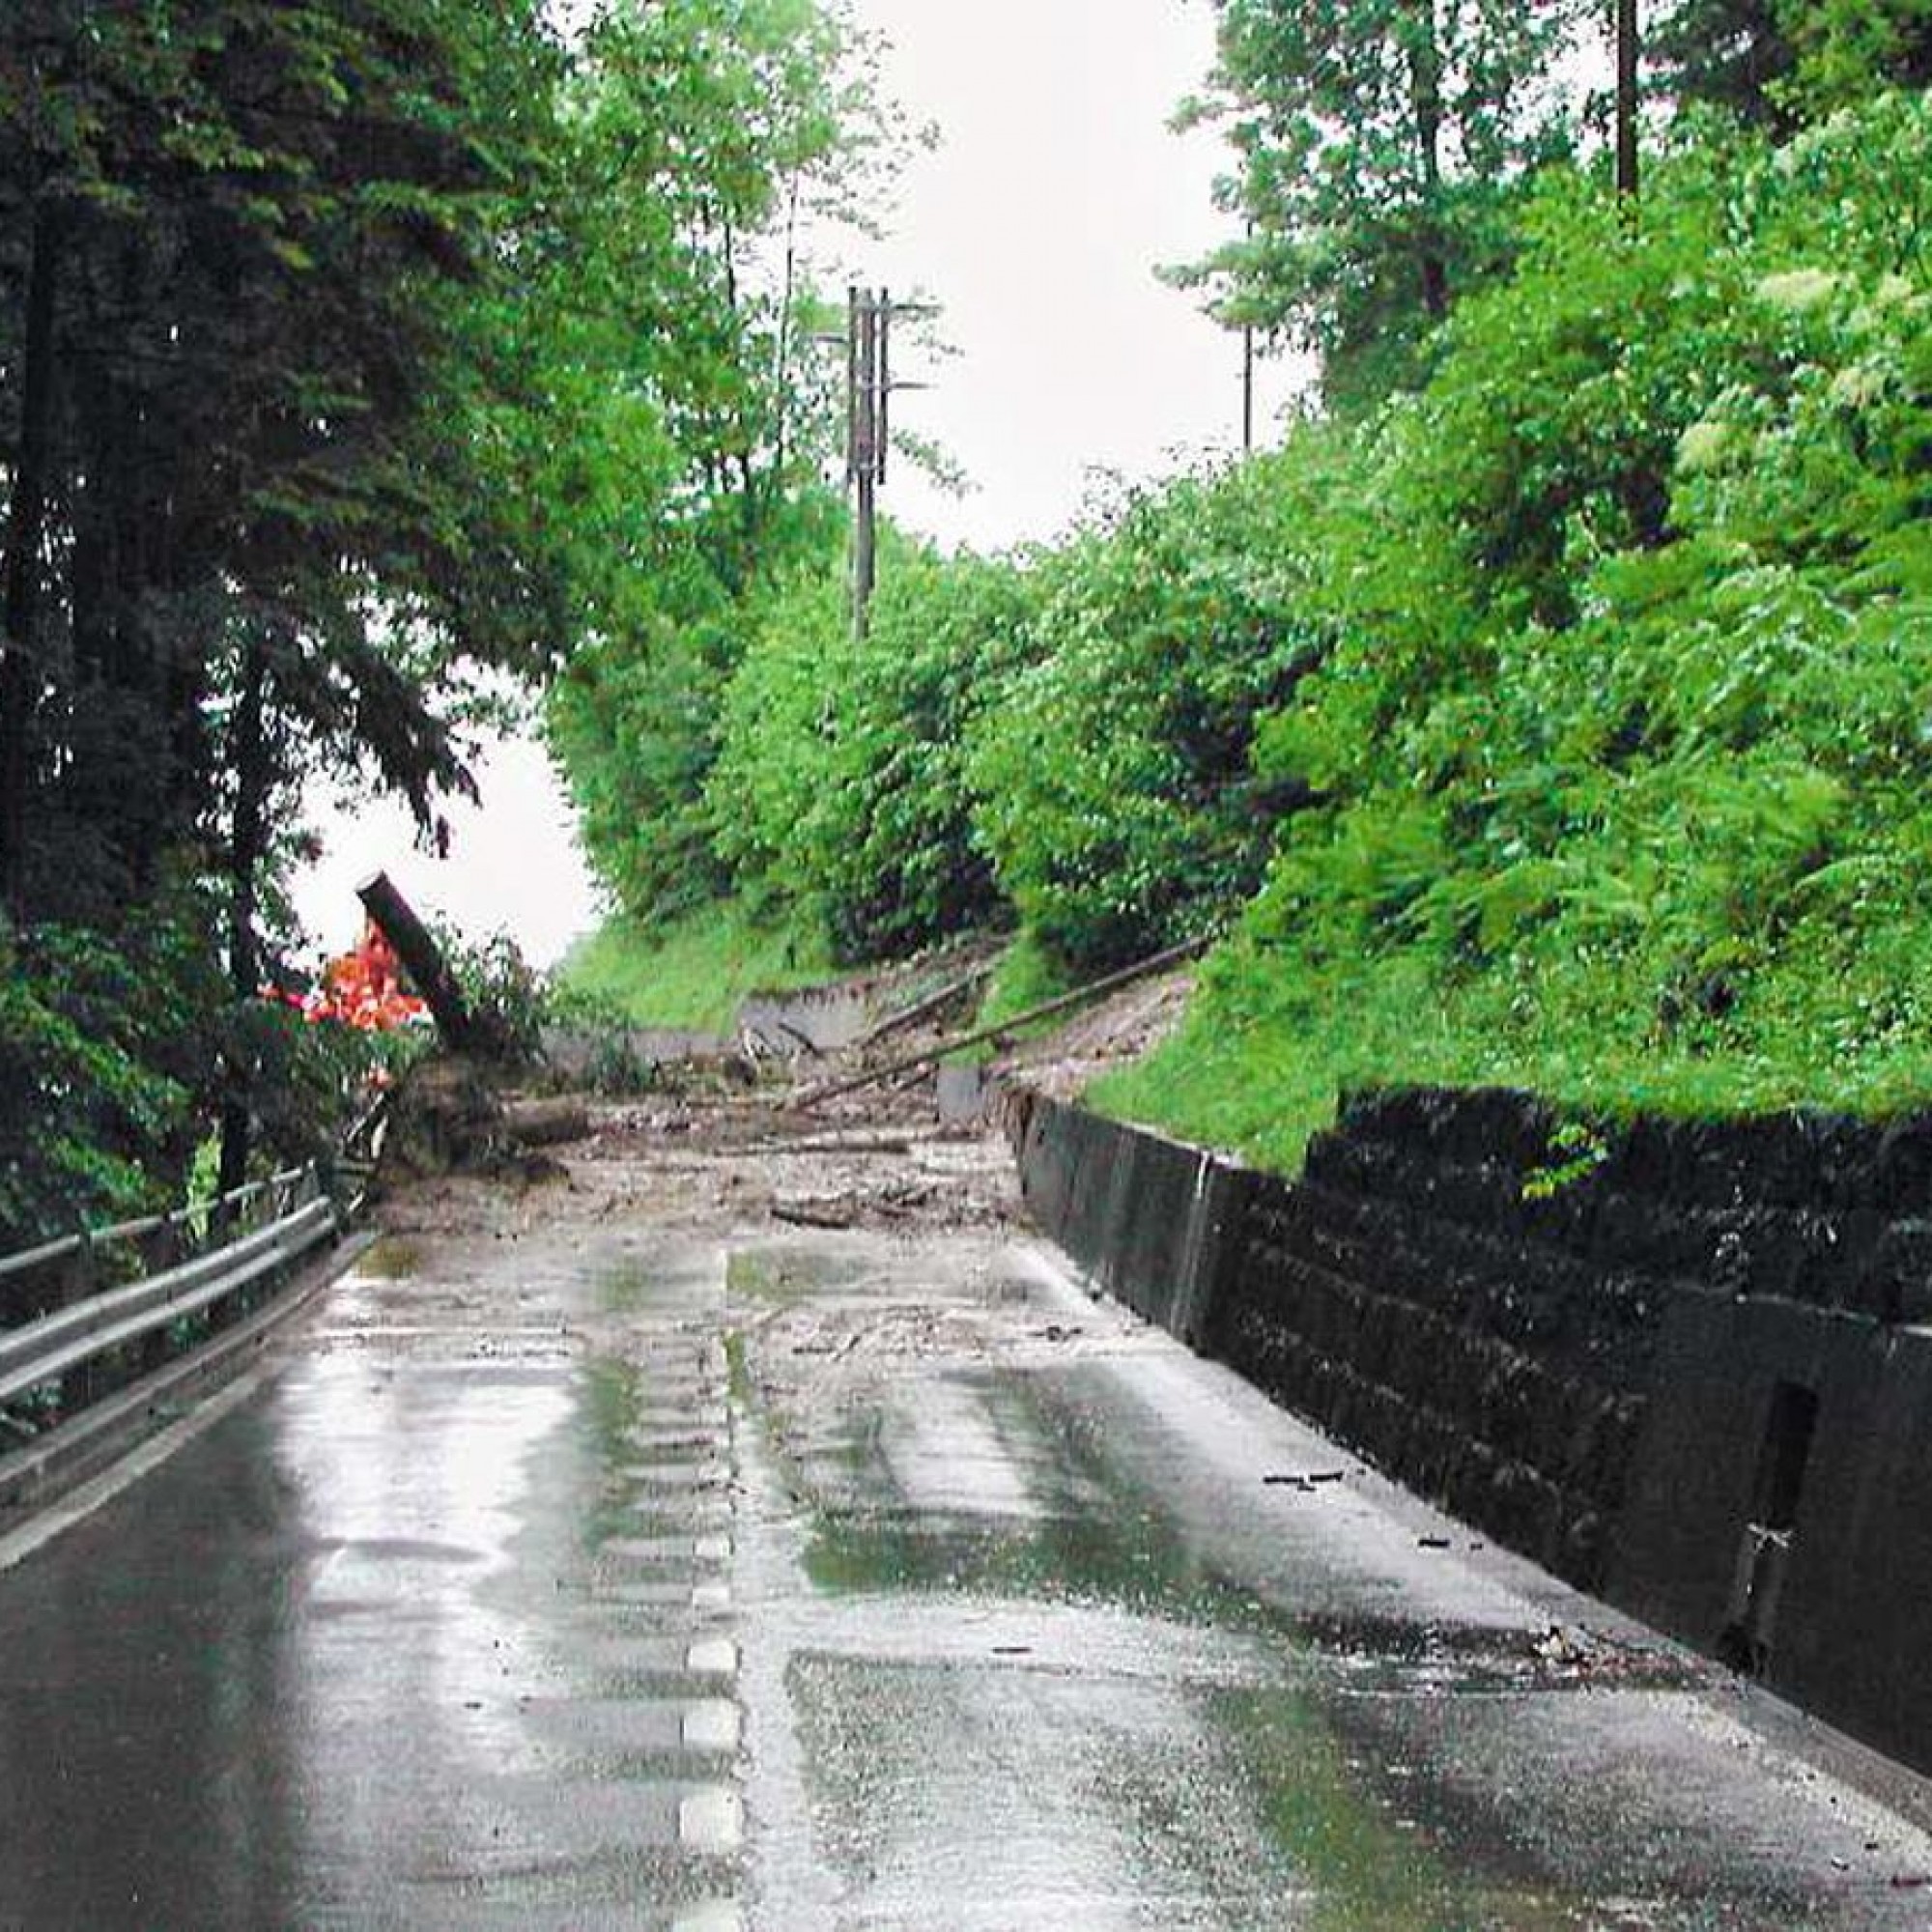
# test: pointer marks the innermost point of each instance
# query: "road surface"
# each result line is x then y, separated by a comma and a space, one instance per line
617, 1553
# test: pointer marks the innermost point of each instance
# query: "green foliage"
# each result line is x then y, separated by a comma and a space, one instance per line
346, 350
1622, 747
693, 970
844, 784
97, 1044
635, 724
505, 994
1066, 734
1117, 797
1735, 55
246, 529
1378, 149
669, 325
1847, 50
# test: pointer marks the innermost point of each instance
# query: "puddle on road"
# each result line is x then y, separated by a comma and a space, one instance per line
1084, 1541
780, 1276
607, 1405
1374, 1862
1363, 1840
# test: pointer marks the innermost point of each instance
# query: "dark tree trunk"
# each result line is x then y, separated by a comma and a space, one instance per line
462, 1031
253, 775
19, 662
1627, 104
1425, 93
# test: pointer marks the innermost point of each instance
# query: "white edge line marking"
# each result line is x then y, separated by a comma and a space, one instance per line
719, 1917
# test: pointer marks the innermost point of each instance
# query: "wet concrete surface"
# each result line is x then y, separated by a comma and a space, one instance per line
1095, 1636
422, 1635
656, 1567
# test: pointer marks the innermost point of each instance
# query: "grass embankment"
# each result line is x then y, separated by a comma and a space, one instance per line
695, 971
1267, 1049
1612, 774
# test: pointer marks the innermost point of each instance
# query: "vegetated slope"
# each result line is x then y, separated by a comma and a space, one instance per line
1620, 756
1563, 722
693, 970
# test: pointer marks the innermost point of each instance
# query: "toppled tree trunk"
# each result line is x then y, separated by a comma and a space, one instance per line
448, 1118
461, 1029
1012, 1023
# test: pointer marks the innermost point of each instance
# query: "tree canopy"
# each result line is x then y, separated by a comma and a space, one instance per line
350, 353
1377, 147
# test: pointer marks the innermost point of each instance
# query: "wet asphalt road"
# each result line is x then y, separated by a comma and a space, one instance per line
604, 1577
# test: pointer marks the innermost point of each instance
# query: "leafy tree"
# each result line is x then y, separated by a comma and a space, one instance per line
236, 243
231, 222
1377, 144
1619, 755
1732, 54
1114, 790
1847, 50
845, 783
1777, 62
669, 322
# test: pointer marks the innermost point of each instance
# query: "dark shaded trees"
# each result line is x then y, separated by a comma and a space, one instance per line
1733, 54
241, 244
350, 354
1378, 146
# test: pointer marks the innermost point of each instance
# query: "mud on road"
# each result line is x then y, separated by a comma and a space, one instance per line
1041, 1622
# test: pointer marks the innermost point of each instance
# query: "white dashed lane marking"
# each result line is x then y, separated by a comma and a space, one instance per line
712, 1820
712, 1726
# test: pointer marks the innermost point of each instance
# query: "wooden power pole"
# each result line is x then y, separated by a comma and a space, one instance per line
865, 442
869, 396
1248, 389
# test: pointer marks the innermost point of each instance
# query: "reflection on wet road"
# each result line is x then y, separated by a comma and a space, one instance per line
1090, 1635
429, 1634
608, 1578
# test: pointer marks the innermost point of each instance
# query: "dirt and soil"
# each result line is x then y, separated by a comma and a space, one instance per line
728, 1145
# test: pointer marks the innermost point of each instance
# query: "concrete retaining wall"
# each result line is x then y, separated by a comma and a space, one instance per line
817, 1019
582, 1056
1674, 1363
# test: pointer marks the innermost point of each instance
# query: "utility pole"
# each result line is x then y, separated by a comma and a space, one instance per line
869, 396
1248, 371
1627, 106
865, 447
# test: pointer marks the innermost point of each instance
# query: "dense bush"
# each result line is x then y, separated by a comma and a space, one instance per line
1067, 732
1117, 795
1627, 796
843, 779
91, 1116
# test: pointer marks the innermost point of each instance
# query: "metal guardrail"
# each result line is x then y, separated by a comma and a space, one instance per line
156, 1241
53, 1345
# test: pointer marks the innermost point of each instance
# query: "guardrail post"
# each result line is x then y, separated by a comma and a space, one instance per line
78, 1283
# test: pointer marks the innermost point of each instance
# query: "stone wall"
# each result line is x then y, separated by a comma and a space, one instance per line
1675, 1363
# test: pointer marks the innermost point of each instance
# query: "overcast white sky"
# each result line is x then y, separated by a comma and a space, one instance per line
1036, 224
